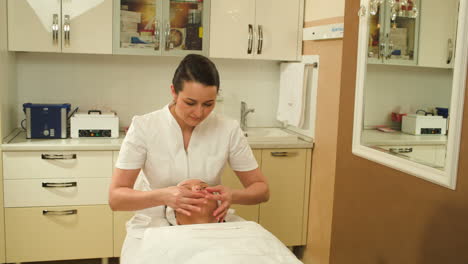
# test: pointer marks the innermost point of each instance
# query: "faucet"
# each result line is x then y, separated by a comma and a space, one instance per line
244, 112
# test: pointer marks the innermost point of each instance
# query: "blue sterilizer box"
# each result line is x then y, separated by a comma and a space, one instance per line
46, 120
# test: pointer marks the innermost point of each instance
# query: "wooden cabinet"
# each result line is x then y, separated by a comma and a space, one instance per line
285, 214
60, 26
430, 155
65, 214
55, 233
261, 29
438, 33
229, 178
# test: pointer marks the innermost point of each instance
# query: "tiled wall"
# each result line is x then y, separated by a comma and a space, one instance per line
133, 85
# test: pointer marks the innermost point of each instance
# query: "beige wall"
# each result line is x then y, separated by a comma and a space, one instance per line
323, 9
7, 99
382, 216
7, 79
322, 12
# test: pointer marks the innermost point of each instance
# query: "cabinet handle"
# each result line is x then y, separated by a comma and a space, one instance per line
381, 49
59, 184
280, 154
66, 30
167, 32
55, 29
64, 212
250, 40
400, 150
157, 34
58, 156
450, 51
260, 39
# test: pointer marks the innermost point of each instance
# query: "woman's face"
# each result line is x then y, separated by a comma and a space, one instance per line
195, 102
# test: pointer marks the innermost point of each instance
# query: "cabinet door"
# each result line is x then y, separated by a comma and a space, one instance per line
87, 26
229, 178
59, 233
138, 27
231, 28
186, 24
278, 25
120, 230
437, 33
430, 155
2, 216
31, 25
283, 214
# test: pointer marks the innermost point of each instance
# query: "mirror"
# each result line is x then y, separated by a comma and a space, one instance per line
410, 85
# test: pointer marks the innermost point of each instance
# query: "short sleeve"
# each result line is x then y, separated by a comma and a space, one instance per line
241, 157
133, 151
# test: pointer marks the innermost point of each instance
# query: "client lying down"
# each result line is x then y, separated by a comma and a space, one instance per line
200, 239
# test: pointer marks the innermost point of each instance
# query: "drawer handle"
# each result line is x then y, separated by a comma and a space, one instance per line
280, 154
400, 150
58, 184
65, 212
58, 156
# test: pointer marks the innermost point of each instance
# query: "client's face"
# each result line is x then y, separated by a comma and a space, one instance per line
206, 213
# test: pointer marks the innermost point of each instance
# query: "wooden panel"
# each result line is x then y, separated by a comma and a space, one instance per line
2, 217
229, 178
30, 25
283, 214
281, 24
32, 236
120, 230
87, 191
90, 26
229, 29
88, 164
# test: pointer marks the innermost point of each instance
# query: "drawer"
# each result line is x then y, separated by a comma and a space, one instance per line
38, 165
56, 192
32, 235
120, 230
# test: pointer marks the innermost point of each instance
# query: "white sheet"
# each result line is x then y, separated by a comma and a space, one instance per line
237, 242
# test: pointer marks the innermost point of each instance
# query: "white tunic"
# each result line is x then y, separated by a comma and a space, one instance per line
154, 143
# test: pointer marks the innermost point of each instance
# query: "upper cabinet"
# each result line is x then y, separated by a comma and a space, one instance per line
393, 32
413, 32
261, 29
161, 27
438, 33
83, 26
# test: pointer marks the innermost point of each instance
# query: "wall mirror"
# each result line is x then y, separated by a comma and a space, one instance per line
410, 85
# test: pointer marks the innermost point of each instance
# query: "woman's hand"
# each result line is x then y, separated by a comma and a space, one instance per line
225, 196
183, 200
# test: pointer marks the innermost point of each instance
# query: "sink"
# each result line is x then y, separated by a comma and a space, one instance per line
268, 134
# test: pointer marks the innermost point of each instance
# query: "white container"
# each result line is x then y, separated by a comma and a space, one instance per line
424, 125
100, 125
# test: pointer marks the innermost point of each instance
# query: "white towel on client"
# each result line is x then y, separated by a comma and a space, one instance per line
236, 242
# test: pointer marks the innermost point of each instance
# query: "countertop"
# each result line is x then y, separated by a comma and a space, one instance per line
17, 141
376, 137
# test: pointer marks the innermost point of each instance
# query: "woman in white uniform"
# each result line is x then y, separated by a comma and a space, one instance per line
180, 141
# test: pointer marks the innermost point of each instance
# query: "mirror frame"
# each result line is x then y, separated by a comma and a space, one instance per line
448, 176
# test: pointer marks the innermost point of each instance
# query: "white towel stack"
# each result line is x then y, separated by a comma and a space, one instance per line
292, 94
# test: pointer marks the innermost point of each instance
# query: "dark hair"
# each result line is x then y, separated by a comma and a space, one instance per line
195, 68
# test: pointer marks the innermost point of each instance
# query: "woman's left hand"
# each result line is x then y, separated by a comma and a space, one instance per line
225, 196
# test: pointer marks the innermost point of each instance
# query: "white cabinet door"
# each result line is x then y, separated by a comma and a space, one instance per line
229, 28
278, 23
30, 25
90, 26
437, 30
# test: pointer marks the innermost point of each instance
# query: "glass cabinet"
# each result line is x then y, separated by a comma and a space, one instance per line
393, 32
161, 27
